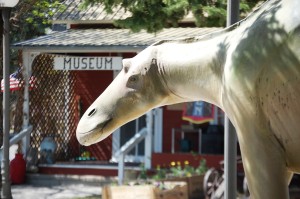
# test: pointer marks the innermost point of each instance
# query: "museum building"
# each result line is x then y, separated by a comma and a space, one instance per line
72, 65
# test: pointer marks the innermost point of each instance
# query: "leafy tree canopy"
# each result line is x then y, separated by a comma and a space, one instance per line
154, 15
31, 18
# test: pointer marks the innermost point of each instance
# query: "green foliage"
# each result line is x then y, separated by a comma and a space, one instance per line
154, 15
143, 173
160, 173
179, 170
202, 168
32, 18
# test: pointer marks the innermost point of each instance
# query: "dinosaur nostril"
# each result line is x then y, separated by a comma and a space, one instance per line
92, 112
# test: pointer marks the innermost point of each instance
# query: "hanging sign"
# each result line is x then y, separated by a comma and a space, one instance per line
87, 63
198, 112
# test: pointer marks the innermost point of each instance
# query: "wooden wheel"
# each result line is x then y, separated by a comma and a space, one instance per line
212, 180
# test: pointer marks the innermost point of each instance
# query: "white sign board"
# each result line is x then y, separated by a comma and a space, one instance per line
8, 3
87, 63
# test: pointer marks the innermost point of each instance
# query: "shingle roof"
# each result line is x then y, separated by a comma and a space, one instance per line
73, 12
106, 39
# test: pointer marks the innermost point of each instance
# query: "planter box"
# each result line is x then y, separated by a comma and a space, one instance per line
194, 185
179, 191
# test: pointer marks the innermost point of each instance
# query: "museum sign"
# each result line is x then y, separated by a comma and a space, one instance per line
87, 63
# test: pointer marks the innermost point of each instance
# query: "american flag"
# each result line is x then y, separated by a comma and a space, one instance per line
15, 81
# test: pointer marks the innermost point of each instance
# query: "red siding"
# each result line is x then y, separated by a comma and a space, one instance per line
89, 85
172, 119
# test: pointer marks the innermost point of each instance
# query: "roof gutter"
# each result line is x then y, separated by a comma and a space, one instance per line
80, 49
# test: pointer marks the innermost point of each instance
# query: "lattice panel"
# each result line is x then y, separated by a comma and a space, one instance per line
53, 107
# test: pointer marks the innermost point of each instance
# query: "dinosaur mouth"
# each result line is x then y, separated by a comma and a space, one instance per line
99, 128
92, 136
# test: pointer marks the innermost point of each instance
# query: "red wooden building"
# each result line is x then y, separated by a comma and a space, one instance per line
81, 35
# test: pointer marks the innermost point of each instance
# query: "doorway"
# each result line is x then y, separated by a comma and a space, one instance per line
127, 131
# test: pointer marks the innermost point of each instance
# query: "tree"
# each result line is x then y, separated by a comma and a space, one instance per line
29, 19
154, 15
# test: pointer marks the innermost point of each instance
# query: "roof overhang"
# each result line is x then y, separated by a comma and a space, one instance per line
104, 40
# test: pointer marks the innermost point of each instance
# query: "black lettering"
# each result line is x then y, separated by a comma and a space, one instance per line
75, 63
84, 63
91, 63
99, 65
67, 60
108, 61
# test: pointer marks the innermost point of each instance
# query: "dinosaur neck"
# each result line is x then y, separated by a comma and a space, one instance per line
193, 71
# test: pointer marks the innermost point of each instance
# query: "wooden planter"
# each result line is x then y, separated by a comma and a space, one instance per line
194, 185
179, 191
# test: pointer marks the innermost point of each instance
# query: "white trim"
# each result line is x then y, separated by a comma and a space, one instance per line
82, 49
115, 145
87, 166
116, 134
158, 130
68, 25
28, 58
149, 140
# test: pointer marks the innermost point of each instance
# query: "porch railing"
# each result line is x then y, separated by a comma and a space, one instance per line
17, 138
144, 133
125, 149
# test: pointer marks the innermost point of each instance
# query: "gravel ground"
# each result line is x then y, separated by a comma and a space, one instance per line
78, 191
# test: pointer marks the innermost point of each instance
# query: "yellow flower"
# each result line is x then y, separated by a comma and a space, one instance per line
178, 163
186, 162
173, 164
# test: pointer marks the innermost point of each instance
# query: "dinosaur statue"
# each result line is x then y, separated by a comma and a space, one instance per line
251, 70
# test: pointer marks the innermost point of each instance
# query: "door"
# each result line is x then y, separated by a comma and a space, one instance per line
126, 132
123, 134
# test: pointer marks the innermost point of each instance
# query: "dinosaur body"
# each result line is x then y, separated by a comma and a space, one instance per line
251, 70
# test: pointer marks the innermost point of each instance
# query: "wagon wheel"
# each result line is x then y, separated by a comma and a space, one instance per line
212, 181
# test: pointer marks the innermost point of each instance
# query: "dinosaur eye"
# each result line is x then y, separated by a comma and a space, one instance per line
134, 81
133, 78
